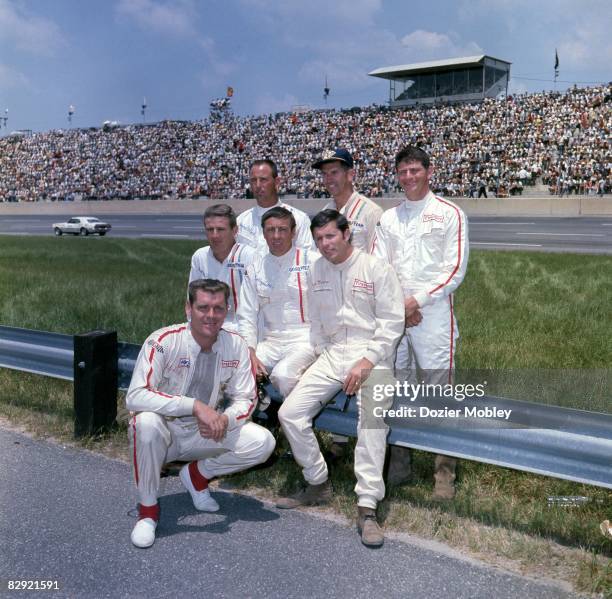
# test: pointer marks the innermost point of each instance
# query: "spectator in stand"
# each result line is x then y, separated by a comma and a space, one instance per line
543, 134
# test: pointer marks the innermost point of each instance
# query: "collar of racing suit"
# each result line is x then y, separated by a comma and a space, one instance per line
419, 204
348, 262
195, 348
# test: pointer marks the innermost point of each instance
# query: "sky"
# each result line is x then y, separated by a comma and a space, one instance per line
103, 57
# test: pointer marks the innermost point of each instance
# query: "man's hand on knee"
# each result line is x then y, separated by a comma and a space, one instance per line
211, 424
356, 375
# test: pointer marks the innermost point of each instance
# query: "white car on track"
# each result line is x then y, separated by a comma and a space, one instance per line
82, 225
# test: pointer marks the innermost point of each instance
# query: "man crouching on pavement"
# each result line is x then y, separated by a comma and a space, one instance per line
174, 394
357, 318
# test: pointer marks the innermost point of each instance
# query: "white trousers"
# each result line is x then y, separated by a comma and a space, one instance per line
427, 353
431, 345
155, 440
286, 357
317, 387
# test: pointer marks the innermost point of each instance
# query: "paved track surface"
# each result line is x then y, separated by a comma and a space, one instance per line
576, 235
66, 516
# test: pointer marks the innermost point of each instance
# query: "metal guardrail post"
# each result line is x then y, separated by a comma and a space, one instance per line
95, 382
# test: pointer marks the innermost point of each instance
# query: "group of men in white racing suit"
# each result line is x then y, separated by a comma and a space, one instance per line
345, 311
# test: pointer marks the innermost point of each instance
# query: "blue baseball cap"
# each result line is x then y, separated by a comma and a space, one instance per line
339, 154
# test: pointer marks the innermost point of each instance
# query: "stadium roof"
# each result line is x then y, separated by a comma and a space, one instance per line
430, 67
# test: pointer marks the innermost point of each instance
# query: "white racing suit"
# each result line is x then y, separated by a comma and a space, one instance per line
251, 233
426, 242
162, 428
204, 265
363, 216
275, 293
357, 312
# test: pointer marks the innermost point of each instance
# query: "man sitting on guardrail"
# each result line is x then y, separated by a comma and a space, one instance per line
223, 258
357, 314
175, 394
275, 292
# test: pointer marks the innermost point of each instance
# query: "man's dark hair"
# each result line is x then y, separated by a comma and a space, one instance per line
208, 286
221, 210
267, 161
412, 154
327, 216
278, 212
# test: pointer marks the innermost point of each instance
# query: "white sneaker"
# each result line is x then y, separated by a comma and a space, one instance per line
143, 534
202, 500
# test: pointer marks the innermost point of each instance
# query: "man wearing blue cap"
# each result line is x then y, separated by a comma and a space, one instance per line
337, 169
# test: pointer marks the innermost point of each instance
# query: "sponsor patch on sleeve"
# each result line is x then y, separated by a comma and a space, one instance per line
158, 347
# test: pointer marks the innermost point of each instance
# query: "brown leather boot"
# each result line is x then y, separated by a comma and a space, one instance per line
367, 525
444, 475
311, 495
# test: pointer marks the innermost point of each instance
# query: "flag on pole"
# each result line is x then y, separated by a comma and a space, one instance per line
556, 63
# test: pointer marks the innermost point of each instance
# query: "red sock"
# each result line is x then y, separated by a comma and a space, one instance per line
148, 511
199, 482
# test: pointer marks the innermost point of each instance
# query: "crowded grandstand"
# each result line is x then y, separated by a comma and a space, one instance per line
499, 146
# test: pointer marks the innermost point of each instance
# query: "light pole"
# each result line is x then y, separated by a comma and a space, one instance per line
143, 109
4, 119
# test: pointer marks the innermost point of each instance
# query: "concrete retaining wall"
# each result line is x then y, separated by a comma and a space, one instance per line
514, 206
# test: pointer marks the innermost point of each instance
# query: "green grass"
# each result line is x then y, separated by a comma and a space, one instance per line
535, 310
540, 321
73, 285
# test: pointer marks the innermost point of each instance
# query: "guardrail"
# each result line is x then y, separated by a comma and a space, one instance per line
560, 442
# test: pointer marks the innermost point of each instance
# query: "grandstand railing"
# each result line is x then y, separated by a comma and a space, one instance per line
559, 442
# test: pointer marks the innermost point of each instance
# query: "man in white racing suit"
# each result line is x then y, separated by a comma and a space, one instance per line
337, 170
357, 317
274, 293
222, 259
180, 377
265, 183
426, 240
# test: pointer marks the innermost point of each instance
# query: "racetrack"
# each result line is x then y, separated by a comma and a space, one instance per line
590, 235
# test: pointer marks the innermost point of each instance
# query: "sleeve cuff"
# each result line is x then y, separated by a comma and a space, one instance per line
231, 421
186, 406
423, 298
372, 356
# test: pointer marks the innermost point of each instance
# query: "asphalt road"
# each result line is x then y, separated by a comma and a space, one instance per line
66, 516
575, 235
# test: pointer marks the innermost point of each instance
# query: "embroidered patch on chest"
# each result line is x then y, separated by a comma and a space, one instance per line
230, 363
439, 218
363, 286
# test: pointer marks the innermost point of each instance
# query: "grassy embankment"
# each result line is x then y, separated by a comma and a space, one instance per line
517, 310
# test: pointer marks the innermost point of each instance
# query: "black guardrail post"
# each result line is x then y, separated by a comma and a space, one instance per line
95, 382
